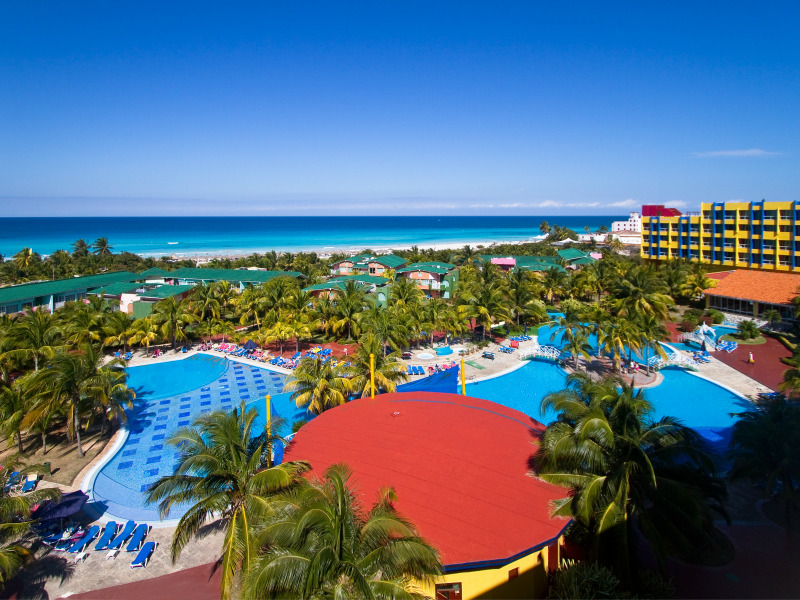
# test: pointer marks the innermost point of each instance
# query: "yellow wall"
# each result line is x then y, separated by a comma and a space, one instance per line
494, 584
779, 243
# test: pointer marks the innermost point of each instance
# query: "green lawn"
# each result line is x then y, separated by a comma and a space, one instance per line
735, 338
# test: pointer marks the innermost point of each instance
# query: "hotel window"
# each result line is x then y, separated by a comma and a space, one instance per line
513, 573
706, 214
730, 214
768, 261
785, 262
786, 245
770, 215
743, 227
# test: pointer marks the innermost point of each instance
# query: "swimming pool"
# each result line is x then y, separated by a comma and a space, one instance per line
170, 396
697, 402
550, 335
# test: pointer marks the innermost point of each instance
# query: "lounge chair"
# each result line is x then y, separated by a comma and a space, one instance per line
128, 356
109, 533
144, 555
410, 370
489, 355
296, 356
30, 485
123, 535
137, 538
80, 545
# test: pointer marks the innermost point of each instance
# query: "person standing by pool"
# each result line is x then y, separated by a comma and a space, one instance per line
751, 360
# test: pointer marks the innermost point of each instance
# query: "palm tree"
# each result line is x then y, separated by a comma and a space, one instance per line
15, 519
204, 302
487, 305
651, 332
145, 332
696, 284
280, 333
72, 380
639, 292
578, 345
350, 301
629, 475
553, 281
251, 305
224, 476
317, 386
748, 330
80, 249
772, 316
765, 447
25, 258
323, 545
466, 255
118, 330
545, 228
101, 247
172, 317
523, 302
35, 335
13, 407
385, 326
612, 338
389, 369
405, 292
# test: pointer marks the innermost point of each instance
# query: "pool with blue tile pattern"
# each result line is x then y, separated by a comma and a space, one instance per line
169, 396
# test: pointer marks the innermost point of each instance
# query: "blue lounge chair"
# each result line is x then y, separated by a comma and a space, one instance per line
419, 371
123, 535
411, 371
128, 356
296, 356
144, 555
109, 533
81, 544
29, 485
137, 538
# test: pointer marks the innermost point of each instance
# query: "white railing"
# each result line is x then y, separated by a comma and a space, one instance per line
537, 351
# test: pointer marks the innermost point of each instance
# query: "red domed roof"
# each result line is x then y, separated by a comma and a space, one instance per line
459, 466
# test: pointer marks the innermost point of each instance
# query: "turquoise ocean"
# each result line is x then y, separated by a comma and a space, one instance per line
192, 236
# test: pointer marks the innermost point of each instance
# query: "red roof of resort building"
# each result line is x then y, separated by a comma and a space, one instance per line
757, 286
459, 465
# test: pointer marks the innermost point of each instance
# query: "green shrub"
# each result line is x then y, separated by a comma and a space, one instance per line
582, 580
748, 330
298, 424
717, 318
693, 313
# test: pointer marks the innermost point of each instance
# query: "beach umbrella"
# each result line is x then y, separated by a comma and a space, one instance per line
67, 506
250, 345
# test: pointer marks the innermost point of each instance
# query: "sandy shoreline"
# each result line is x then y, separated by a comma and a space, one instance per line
327, 251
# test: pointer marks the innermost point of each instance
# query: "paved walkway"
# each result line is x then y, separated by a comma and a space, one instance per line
768, 368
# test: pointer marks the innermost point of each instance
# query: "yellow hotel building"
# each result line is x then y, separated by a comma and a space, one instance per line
742, 235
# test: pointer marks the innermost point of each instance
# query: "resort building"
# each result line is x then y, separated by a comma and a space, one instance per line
373, 285
241, 277
535, 264
435, 279
575, 259
469, 492
743, 235
138, 300
367, 264
54, 294
749, 292
154, 275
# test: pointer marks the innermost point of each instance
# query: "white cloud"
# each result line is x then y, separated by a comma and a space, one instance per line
624, 203
512, 205
549, 204
484, 205
752, 152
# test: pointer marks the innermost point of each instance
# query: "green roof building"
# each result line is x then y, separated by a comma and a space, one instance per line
54, 294
367, 264
243, 277
377, 286
435, 279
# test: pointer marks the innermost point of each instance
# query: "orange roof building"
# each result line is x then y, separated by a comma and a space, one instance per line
754, 292
461, 470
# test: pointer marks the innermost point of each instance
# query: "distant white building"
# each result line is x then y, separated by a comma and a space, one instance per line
628, 232
633, 224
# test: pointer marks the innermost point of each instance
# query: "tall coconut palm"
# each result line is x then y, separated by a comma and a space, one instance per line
524, 303
118, 330
629, 474
82, 324
639, 292
553, 281
251, 305
35, 335
487, 305
80, 248
696, 284
72, 380
544, 228
172, 316
204, 302
322, 544
765, 447
102, 248
25, 259
317, 386
651, 332
385, 326
389, 369
404, 292
222, 474
14, 405
350, 302
280, 333
612, 338
145, 332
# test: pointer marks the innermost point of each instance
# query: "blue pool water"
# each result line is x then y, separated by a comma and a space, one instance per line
697, 402
170, 395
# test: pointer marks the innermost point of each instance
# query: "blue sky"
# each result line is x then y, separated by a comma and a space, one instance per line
139, 108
